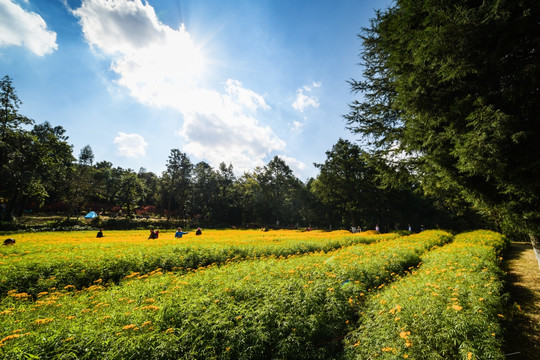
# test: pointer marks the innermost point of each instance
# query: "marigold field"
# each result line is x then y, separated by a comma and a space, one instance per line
246, 294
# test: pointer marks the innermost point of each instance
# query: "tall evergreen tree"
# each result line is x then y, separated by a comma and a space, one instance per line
177, 182
346, 184
451, 91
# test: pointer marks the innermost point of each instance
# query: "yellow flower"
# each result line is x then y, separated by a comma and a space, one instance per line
9, 337
404, 334
457, 307
43, 321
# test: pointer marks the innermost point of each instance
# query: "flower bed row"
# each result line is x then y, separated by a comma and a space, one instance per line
296, 307
450, 308
42, 261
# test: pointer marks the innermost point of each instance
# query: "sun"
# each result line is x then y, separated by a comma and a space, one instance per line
180, 57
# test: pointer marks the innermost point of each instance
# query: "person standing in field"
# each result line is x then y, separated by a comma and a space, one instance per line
377, 228
179, 233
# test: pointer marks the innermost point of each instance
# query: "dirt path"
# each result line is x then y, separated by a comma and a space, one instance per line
523, 276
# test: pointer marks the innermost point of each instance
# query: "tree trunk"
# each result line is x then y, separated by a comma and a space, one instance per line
535, 242
10, 210
169, 207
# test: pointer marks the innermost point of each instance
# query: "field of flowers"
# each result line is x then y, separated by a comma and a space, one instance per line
275, 295
41, 261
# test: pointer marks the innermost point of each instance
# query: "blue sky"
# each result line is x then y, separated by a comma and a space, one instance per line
223, 81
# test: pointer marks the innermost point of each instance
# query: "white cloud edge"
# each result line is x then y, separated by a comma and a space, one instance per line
130, 145
303, 101
19, 27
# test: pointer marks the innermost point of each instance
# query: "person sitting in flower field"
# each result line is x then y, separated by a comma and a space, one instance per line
199, 231
100, 233
153, 234
179, 233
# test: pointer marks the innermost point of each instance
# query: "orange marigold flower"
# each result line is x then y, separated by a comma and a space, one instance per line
43, 321
10, 337
404, 334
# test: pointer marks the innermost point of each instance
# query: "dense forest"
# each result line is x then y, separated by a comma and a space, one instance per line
40, 174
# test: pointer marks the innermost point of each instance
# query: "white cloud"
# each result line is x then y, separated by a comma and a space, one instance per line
21, 28
131, 145
245, 97
225, 130
161, 66
297, 125
303, 101
296, 165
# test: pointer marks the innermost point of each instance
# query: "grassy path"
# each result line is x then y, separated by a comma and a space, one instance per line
523, 338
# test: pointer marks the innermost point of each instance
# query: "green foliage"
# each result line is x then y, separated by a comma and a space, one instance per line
449, 308
451, 93
347, 184
32, 275
278, 307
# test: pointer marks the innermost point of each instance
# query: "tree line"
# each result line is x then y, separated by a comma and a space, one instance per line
40, 173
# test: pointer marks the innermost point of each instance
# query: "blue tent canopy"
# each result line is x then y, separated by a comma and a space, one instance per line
91, 215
